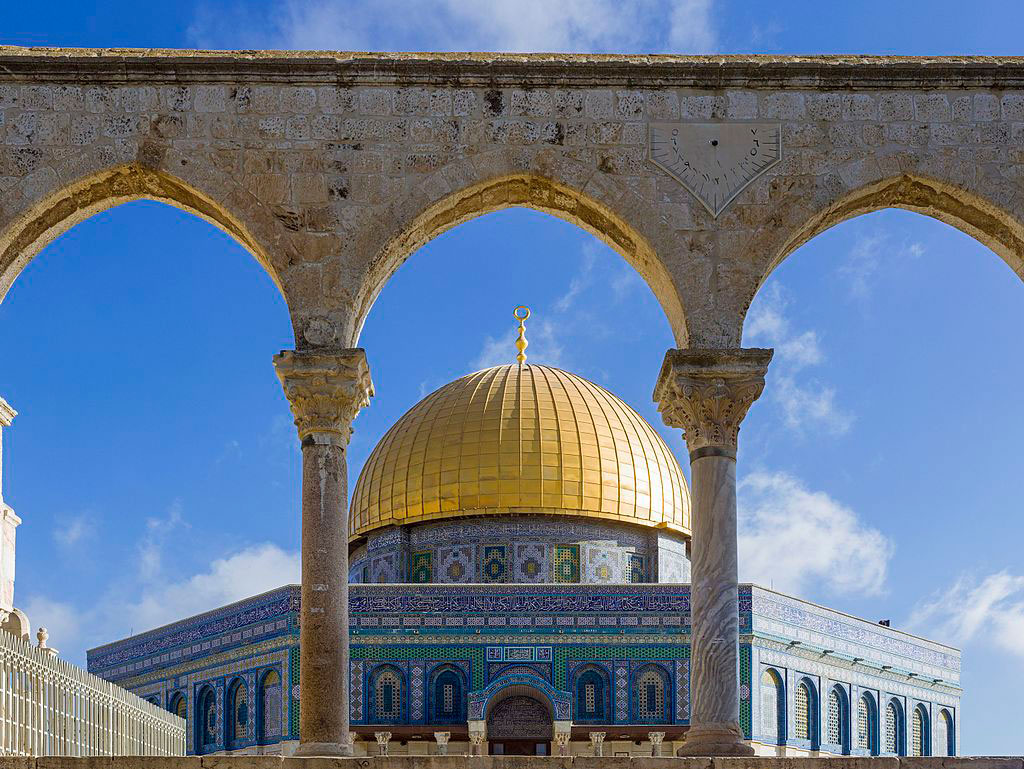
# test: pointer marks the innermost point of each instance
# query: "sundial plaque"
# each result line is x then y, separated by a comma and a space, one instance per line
715, 161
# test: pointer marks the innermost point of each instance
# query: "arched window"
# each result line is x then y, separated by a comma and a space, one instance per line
206, 723
386, 696
837, 724
919, 732
179, 705
238, 715
893, 728
773, 708
867, 724
943, 738
447, 696
591, 697
651, 696
804, 713
269, 723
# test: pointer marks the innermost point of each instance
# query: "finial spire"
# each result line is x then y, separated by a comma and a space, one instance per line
521, 314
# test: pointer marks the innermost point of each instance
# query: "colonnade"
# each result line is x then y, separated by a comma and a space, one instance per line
705, 392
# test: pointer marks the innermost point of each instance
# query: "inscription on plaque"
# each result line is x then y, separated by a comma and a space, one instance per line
715, 161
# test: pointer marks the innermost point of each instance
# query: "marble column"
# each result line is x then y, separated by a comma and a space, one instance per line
326, 390
441, 738
708, 393
597, 742
656, 739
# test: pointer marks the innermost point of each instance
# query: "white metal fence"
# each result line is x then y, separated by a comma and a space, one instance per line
49, 707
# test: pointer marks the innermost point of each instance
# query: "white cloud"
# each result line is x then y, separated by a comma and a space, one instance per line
989, 611
74, 531
809, 405
233, 577
796, 539
860, 267
150, 549
601, 26
804, 403
543, 347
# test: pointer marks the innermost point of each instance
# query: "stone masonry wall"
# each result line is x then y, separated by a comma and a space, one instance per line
333, 168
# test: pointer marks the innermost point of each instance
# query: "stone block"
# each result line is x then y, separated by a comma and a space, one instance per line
210, 98
895, 106
1013, 106
783, 105
825, 106
859, 106
966, 762
932, 107
986, 106
630, 105
237, 762
599, 105
662, 105
836, 762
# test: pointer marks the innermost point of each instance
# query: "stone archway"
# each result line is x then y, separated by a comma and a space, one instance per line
520, 725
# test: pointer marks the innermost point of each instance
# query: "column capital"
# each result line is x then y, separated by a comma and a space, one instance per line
326, 390
708, 393
7, 414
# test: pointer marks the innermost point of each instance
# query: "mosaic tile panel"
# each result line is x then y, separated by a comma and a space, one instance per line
745, 679
355, 710
603, 564
621, 691
531, 563
384, 568
421, 566
636, 569
417, 691
493, 563
567, 563
682, 690
455, 564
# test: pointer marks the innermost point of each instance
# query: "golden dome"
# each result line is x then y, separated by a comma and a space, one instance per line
520, 439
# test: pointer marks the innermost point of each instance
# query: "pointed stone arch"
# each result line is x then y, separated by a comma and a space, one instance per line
537, 192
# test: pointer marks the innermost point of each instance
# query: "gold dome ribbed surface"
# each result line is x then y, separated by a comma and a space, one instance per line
520, 439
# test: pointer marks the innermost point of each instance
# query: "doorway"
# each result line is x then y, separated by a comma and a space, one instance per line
520, 725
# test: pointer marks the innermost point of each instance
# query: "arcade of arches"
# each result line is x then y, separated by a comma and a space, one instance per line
332, 168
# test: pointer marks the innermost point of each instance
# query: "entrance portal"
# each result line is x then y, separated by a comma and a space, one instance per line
520, 726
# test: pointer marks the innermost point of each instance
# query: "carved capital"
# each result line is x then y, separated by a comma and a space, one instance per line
7, 414
326, 390
708, 392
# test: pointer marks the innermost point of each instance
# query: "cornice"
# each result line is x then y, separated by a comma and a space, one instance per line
497, 69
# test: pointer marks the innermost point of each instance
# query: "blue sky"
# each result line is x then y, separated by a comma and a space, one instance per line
156, 468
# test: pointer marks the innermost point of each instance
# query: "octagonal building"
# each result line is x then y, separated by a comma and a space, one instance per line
519, 565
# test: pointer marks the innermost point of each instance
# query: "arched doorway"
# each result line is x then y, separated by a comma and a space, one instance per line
519, 725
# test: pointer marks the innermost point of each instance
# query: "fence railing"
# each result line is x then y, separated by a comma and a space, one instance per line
49, 707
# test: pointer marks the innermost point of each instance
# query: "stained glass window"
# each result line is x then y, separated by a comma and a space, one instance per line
866, 723
918, 735
447, 697
271, 706
834, 722
590, 697
771, 700
651, 697
387, 691
180, 706
892, 728
239, 700
943, 737
208, 719
802, 712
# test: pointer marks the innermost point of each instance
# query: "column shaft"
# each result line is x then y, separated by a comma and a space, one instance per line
323, 631
326, 391
714, 595
707, 393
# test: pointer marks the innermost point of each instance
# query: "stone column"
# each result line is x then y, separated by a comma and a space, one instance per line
8, 523
562, 739
326, 391
383, 738
707, 393
442, 742
656, 739
597, 741
477, 736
